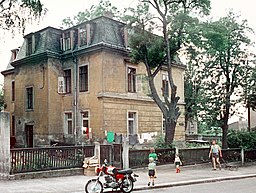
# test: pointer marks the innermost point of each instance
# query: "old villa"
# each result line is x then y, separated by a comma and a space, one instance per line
78, 84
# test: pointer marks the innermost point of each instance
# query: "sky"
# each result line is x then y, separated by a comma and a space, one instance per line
60, 9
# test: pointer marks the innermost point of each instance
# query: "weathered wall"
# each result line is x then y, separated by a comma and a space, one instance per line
31, 75
4, 145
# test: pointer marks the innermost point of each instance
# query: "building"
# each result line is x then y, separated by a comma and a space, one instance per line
240, 125
77, 84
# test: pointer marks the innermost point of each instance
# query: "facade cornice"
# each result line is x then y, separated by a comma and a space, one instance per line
129, 96
95, 48
36, 57
7, 72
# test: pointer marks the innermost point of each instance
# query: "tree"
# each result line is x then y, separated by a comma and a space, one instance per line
251, 90
155, 52
1, 99
14, 14
175, 21
94, 11
223, 50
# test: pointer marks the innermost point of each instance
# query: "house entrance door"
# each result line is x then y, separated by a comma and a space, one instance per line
29, 135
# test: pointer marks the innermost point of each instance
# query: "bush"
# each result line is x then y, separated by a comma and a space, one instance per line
245, 139
160, 142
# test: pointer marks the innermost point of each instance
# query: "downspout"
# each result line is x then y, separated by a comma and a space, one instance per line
75, 97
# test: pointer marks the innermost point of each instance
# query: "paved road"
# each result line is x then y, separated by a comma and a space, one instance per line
232, 186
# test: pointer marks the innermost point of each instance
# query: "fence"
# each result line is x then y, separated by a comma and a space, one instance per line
39, 159
139, 158
250, 155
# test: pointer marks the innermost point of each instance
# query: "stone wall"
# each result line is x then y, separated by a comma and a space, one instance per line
4, 145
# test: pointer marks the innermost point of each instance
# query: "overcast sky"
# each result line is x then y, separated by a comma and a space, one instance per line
60, 9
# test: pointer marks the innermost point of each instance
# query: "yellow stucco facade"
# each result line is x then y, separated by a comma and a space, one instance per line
106, 105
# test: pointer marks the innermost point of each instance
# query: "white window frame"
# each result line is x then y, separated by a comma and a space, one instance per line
66, 119
85, 118
135, 120
166, 78
127, 79
163, 129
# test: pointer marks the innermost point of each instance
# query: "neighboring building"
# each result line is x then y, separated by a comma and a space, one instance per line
252, 120
74, 84
241, 125
192, 128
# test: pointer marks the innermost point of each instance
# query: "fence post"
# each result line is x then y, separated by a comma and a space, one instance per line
5, 165
97, 150
242, 155
176, 150
125, 154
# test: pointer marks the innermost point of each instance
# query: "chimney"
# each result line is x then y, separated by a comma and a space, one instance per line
108, 14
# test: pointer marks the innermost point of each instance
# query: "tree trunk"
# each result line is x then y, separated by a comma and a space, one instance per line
170, 125
225, 132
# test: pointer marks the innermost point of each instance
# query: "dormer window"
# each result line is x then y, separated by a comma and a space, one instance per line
66, 41
14, 54
82, 36
29, 46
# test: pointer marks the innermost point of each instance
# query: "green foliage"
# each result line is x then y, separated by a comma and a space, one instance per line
1, 99
217, 62
160, 143
251, 90
15, 14
238, 139
94, 11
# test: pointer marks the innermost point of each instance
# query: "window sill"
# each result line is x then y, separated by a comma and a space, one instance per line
29, 110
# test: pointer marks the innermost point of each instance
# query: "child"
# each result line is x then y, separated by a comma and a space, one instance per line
177, 163
215, 153
153, 155
151, 171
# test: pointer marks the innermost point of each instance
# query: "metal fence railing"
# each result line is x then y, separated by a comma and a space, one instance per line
48, 158
139, 158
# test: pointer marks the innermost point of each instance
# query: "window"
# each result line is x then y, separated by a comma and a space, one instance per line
131, 79
67, 41
82, 36
13, 90
68, 123
85, 119
165, 85
132, 123
13, 126
83, 78
29, 98
163, 125
29, 46
67, 80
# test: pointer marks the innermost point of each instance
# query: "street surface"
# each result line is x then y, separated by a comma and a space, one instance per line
233, 186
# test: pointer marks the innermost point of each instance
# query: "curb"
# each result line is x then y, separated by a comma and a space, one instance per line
199, 181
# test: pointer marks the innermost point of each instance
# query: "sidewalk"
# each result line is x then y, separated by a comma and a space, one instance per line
166, 177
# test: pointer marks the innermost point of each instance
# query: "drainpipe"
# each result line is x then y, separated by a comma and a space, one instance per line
75, 98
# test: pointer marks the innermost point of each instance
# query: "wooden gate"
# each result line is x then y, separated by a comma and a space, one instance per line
113, 153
